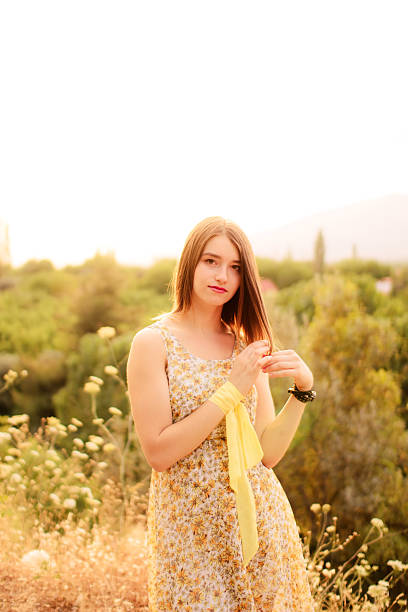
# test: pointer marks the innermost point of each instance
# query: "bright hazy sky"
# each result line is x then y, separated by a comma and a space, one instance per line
125, 123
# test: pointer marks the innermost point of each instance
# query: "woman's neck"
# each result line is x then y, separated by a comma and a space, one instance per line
200, 322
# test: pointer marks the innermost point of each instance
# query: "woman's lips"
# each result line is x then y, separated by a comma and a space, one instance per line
218, 290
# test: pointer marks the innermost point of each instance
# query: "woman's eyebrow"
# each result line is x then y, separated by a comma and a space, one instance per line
218, 257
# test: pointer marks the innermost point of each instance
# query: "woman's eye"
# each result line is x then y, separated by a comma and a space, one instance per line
236, 266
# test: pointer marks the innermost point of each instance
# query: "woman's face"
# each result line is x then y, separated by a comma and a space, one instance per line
218, 266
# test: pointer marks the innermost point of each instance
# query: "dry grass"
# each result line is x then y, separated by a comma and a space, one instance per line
103, 572
100, 569
91, 527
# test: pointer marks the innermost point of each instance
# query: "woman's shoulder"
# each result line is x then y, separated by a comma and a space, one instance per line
148, 338
148, 349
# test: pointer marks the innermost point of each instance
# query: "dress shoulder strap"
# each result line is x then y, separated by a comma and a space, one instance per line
163, 332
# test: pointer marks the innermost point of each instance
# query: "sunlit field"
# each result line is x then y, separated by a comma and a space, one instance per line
62, 548
74, 487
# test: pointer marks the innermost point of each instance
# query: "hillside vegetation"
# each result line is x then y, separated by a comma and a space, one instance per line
74, 481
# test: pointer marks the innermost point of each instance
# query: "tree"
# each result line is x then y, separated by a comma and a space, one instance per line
352, 446
285, 272
97, 299
158, 276
319, 251
372, 267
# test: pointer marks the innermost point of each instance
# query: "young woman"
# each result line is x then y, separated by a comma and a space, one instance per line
221, 533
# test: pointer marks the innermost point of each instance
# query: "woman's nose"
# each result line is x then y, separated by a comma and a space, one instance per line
221, 275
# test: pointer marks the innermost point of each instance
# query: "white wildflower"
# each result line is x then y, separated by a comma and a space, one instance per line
18, 419
111, 370
109, 447
376, 590
114, 410
52, 454
15, 432
36, 558
91, 387
69, 503
76, 453
376, 522
86, 491
10, 376
91, 446
4, 470
397, 565
106, 332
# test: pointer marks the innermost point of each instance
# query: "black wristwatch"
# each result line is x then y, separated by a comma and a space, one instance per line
302, 396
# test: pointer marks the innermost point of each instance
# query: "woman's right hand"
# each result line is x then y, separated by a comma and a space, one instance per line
248, 364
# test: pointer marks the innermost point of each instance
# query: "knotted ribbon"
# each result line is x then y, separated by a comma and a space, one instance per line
244, 451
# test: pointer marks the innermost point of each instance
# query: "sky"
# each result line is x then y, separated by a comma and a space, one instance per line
125, 123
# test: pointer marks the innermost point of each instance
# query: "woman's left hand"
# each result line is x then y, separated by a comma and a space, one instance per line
288, 363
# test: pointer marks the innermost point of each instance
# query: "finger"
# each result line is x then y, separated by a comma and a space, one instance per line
261, 350
281, 359
259, 344
282, 373
265, 360
289, 353
285, 365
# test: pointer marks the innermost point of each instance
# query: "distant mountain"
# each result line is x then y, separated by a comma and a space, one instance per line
378, 229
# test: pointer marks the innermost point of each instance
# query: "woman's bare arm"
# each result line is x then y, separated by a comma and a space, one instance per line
163, 442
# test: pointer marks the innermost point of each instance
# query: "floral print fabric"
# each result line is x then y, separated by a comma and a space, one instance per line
194, 547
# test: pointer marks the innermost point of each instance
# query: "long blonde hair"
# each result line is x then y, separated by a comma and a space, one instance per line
245, 312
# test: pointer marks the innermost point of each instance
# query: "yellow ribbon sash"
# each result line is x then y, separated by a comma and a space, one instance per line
244, 451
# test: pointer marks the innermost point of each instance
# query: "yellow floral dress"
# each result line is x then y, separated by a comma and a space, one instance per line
193, 542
